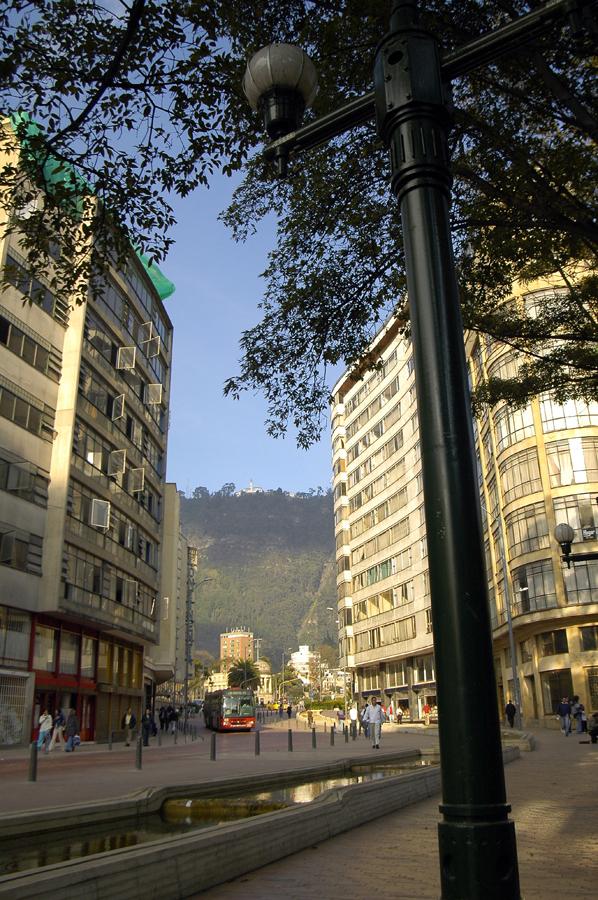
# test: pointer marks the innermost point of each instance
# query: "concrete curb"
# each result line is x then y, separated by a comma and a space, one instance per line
181, 866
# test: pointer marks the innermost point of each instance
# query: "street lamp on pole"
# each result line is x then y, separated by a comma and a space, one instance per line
565, 536
477, 847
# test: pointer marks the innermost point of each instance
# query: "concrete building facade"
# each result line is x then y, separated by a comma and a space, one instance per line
537, 466
83, 432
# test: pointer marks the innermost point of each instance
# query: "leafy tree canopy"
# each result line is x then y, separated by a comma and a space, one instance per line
243, 673
144, 99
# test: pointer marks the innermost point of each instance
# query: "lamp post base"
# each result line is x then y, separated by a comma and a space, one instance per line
478, 861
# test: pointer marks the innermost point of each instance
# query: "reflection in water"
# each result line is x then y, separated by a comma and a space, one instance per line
18, 854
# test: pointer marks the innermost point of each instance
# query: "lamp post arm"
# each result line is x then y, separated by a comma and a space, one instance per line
476, 53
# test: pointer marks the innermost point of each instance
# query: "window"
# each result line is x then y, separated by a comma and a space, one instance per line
581, 513
89, 648
428, 613
533, 588
588, 637
26, 347
526, 648
423, 669
18, 276
44, 653
555, 685
396, 673
592, 673
552, 642
15, 630
21, 410
69, 652
527, 529
571, 414
572, 462
513, 425
14, 549
581, 582
520, 475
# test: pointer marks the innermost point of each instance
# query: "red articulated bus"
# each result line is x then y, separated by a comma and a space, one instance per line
230, 710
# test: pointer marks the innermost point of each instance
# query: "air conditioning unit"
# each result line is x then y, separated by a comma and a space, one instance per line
152, 394
100, 514
118, 407
145, 332
136, 480
125, 358
116, 462
152, 347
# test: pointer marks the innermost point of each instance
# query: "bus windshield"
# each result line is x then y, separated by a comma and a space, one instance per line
237, 705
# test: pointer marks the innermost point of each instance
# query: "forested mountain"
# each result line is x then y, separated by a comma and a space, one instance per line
271, 558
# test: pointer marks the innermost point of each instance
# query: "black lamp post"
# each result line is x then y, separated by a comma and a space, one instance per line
565, 535
478, 857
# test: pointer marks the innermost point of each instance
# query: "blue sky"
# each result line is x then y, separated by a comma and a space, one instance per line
214, 440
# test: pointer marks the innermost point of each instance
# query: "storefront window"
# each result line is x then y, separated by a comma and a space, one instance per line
44, 654
88, 657
69, 652
105, 662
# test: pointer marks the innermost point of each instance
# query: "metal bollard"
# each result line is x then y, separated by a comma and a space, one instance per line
139, 753
33, 762
332, 736
313, 738
257, 743
290, 733
110, 739
346, 733
354, 731
213, 746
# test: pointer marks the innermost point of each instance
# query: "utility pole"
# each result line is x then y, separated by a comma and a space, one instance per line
192, 557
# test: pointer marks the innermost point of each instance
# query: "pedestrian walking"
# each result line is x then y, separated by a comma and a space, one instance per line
289, 711
363, 722
58, 732
147, 721
510, 711
427, 709
163, 718
173, 718
563, 711
128, 724
374, 716
71, 730
45, 730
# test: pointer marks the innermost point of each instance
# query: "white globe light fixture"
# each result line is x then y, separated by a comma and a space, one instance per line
280, 82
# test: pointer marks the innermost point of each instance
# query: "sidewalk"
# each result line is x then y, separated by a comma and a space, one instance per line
554, 796
95, 773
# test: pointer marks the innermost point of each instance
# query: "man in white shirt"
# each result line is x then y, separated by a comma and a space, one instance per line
375, 716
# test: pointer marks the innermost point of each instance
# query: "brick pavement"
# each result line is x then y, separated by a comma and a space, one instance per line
95, 773
554, 795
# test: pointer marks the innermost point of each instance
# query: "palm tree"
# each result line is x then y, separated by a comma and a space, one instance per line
244, 673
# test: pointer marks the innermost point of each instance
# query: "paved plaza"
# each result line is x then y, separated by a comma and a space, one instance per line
553, 792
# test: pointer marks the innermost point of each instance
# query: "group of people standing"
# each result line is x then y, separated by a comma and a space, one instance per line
569, 710
58, 729
168, 716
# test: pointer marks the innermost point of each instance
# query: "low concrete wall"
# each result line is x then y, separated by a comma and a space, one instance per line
180, 866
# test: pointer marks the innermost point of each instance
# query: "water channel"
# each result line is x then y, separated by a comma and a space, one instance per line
181, 816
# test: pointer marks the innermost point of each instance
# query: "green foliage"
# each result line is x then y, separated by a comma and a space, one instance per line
144, 101
243, 673
272, 560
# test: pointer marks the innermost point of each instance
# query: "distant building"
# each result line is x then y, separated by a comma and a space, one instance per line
305, 662
251, 489
265, 691
217, 681
235, 645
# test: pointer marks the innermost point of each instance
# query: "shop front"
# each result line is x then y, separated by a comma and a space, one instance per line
63, 658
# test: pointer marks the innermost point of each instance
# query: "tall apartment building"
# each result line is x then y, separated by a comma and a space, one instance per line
236, 645
537, 466
83, 432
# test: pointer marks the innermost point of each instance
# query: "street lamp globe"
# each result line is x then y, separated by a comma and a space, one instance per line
564, 533
280, 82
